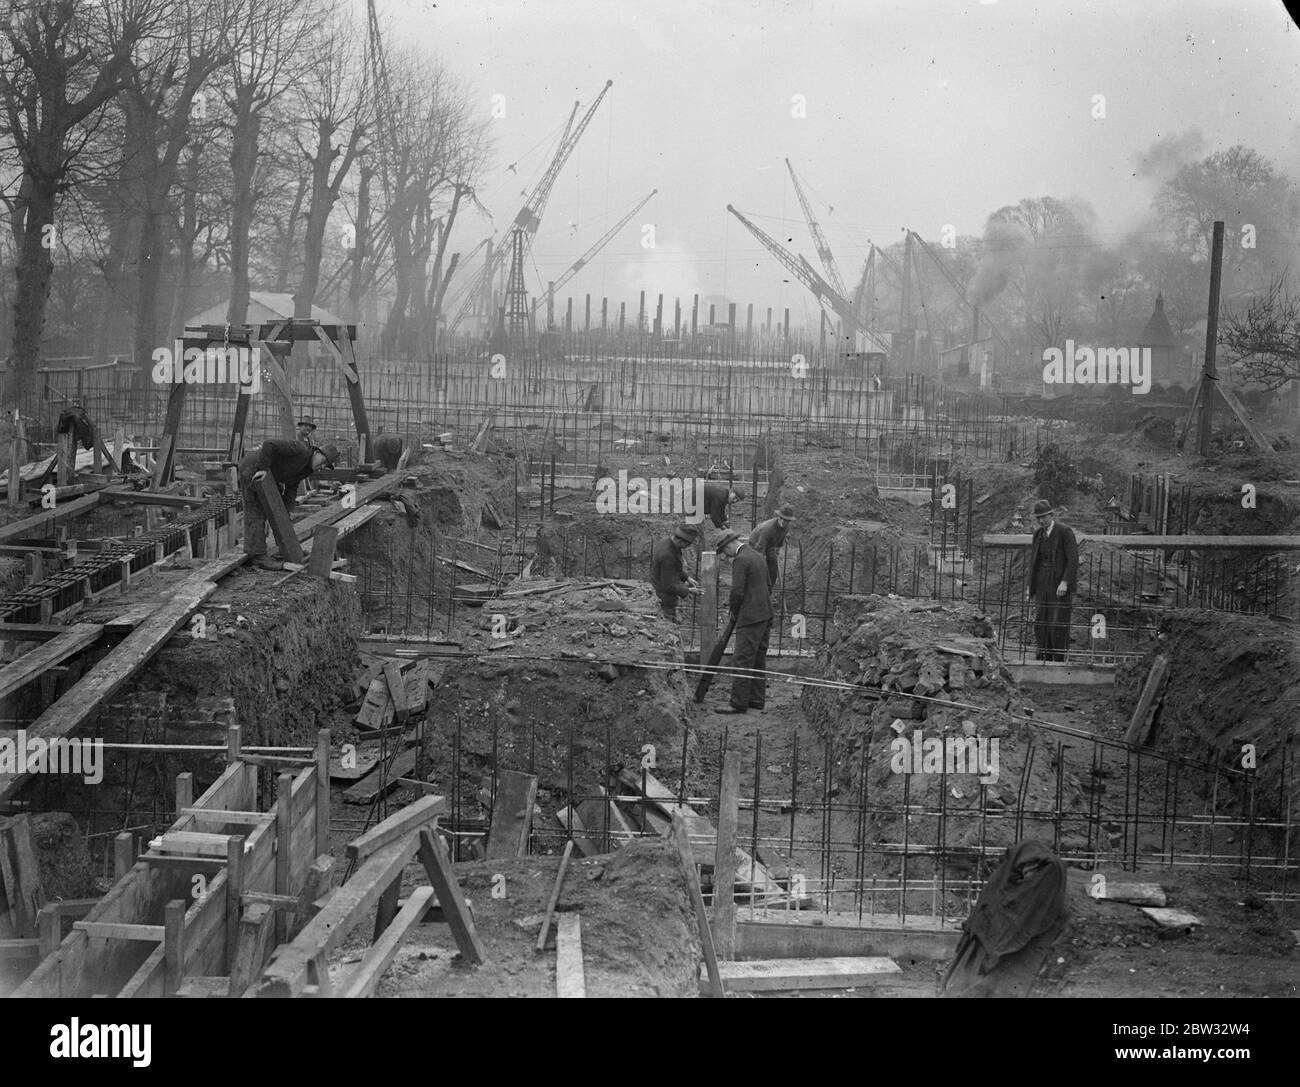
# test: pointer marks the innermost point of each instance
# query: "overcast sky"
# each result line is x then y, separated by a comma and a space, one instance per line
918, 114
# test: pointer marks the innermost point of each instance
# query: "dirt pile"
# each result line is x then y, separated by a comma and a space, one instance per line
639, 935
901, 647
1235, 680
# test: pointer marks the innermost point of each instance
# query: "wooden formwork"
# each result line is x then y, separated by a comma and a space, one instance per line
159, 926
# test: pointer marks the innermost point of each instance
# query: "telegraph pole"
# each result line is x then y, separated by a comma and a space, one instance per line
1209, 374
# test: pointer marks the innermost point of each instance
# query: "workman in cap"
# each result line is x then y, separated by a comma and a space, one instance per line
751, 606
717, 497
307, 430
668, 571
769, 537
288, 462
1052, 571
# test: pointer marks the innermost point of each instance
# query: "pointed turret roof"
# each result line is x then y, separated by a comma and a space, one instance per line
1157, 332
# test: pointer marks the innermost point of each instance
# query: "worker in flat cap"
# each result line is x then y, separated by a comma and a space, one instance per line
751, 606
288, 462
307, 430
668, 570
768, 538
1052, 573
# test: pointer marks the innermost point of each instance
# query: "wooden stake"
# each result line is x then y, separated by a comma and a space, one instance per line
1211, 340
724, 866
173, 945
555, 896
709, 604
283, 847
687, 857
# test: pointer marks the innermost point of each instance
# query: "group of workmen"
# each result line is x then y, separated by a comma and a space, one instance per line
755, 567
1052, 574
288, 462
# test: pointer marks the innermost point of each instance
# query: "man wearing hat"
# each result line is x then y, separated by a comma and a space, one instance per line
288, 462
668, 571
1053, 570
307, 430
769, 537
751, 605
717, 497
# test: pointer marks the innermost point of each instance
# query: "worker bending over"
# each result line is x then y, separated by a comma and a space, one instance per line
769, 537
288, 462
668, 571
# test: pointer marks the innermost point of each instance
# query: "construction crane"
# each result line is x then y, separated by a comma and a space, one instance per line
805, 274
961, 293
819, 239
524, 230
586, 257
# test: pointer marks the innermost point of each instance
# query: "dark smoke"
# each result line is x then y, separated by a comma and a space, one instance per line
1167, 156
1002, 243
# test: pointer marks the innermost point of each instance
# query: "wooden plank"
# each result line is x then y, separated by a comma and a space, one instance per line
1150, 543
366, 761
433, 855
119, 930
1243, 417
766, 975
191, 843
399, 766
555, 896
1140, 725
377, 711
397, 691
173, 946
254, 935
152, 498
687, 859
20, 877
594, 812
286, 974
585, 846
268, 492
404, 821
324, 542
570, 981
724, 866
512, 816
1134, 894
417, 686
42, 524
1166, 918
363, 981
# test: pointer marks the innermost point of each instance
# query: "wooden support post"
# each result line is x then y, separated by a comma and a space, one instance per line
323, 544
323, 792
17, 454
695, 314
687, 857
250, 949
20, 876
234, 896
67, 459
709, 603
232, 743
162, 467
51, 929
604, 314
173, 945
433, 855
1140, 725
1209, 372
123, 854
184, 791
387, 909
555, 896
512, 816
586, 320
363, 981
283, 846
268, 492
724, 867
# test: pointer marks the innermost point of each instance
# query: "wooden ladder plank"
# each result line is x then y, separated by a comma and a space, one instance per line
687, 858
570, 981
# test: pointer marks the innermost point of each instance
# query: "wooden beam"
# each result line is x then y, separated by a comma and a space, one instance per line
512, 815
555, 896
250, 952
20, 876
43, 524
174, 945
321, 563
363, 981
766, 975
152, 498
405, 821
268, 491
433, 855
397, 692
569, 979
724, 866
1209, 543
1243, 417
683, 843
119, 930
1139, 727
59, 648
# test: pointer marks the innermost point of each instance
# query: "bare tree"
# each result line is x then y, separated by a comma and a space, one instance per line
1264, 335
64, 61
269, 42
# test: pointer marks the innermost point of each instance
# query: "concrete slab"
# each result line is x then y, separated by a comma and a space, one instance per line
787, 974
1060, 673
